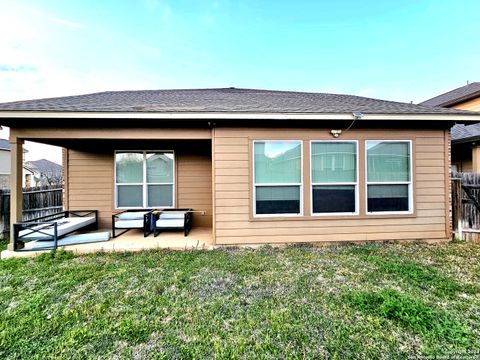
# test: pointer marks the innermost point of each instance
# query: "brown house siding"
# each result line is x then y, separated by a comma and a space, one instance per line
472, 105
235, 223
90, 182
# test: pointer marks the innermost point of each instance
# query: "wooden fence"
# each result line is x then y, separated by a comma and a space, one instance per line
37, 201
466, 205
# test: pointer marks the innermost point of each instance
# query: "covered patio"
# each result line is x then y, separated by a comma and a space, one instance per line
91, 181
200, 238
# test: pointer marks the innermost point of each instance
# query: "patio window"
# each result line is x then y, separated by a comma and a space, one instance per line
144, 179
389, 178
277, 177
334, 177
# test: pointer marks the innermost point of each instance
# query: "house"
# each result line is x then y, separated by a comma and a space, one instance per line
257, 166
465, 139
464, 98
5, 166
45, 172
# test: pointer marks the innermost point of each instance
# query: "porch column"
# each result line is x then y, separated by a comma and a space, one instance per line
16, 195
476, 158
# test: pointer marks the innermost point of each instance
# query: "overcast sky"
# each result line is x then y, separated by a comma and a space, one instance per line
395, 50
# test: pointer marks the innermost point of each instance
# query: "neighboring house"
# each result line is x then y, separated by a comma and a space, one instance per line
29, 177
466, 148
5, 165
465, 139
263, 166
464, 98
45, 172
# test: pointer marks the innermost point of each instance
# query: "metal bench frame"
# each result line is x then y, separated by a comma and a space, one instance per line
49, 221
187, 224
147, 228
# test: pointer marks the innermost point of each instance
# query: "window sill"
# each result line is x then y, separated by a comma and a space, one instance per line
331, 217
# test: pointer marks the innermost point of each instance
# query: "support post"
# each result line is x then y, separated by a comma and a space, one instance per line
16, 195
457, 207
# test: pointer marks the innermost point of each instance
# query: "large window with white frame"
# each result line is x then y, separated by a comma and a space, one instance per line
389, 176
144, 179
277, 177
334, 177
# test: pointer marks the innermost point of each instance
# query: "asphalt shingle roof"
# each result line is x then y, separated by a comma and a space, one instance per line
4, 144
454, 96
43, 166
465, 132
226, 100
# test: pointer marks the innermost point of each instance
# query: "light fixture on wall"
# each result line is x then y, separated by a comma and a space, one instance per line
335, 133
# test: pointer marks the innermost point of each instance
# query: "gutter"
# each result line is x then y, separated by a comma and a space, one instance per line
466, 140
469, 117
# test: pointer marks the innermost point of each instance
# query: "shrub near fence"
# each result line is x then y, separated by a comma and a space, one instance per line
37, 201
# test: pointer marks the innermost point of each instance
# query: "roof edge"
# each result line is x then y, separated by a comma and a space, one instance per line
466, 140
461, 99
463, 116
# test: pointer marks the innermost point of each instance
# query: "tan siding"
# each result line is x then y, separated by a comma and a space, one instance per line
235, 224
357, 236
194, 173
90, 183
91, 180
472, 105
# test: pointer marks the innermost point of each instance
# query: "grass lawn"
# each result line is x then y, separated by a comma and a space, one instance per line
3, 244
372, 301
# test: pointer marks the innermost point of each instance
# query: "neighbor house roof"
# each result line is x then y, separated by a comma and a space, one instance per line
465, 133
44, 166
455, 96
226, 100
5, 145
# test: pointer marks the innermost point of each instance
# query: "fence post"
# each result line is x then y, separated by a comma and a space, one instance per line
457, 207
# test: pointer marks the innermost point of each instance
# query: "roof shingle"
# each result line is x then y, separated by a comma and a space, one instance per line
461, 133
454, 96
226, 100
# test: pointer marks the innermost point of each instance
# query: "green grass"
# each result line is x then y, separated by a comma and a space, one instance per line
4, 243
352, 302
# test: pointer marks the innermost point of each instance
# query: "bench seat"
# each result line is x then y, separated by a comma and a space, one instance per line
64, 226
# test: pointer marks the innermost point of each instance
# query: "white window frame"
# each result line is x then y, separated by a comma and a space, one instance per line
144, 184
409, 183
355, 184
300, 184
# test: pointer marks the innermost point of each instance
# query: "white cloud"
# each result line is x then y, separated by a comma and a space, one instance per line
365, 92
166, 13
68, 23
152, 4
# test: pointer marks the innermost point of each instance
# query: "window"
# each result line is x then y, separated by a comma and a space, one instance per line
334, 177
144, 179
389, 179
277, 177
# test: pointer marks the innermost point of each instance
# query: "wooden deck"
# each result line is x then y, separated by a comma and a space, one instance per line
133, 240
